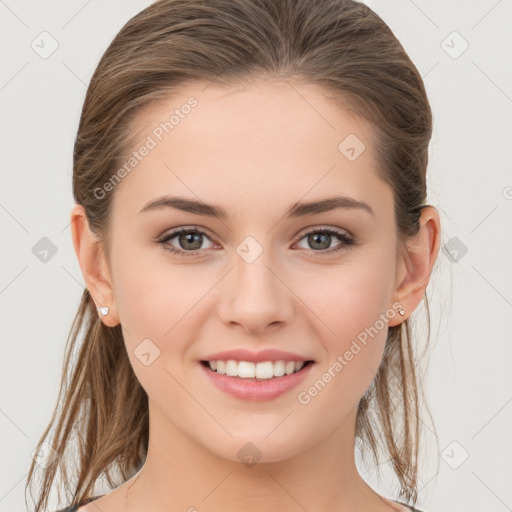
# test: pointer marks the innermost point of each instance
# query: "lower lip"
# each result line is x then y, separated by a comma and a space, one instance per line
247, 389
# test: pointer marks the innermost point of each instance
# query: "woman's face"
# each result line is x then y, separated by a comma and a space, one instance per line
257, 278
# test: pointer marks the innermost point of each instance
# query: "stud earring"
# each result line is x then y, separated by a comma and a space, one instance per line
401, 312
104, 310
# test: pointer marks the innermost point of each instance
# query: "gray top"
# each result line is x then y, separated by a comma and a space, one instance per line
74, 508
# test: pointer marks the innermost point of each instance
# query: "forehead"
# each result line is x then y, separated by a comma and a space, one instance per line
270, 141
259, 109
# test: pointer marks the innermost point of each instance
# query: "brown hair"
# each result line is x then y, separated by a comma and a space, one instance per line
341, 45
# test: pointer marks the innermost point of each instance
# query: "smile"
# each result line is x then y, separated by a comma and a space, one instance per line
265, 380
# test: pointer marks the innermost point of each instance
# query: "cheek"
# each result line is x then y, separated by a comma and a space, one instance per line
155, 307
351, 296
353, 354
352, 303
160, 302
152, 293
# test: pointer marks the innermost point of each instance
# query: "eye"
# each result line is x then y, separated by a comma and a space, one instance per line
190, 240
321, 239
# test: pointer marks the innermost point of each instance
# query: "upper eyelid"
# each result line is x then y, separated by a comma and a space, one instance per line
341, 231
177, 231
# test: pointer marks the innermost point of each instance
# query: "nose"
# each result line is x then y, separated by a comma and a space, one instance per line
256, 296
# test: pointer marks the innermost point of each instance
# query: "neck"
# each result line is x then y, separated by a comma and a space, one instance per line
181, 475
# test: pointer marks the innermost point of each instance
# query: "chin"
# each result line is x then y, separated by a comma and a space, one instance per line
257, 449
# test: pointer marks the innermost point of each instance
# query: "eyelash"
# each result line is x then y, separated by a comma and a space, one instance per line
346, 241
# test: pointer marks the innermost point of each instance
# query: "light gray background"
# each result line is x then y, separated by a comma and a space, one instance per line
470, 180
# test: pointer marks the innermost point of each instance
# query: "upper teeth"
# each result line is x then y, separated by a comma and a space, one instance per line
248, 370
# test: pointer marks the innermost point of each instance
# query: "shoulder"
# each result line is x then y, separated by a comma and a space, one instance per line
74, 508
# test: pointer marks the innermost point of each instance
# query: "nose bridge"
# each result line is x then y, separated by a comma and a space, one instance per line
255, 296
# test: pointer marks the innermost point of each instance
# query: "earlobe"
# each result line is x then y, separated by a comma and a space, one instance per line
91, 258
418, 260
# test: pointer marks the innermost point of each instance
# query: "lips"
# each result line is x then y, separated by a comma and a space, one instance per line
256, 389
264, 385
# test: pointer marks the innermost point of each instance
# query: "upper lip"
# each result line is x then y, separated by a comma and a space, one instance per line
268, 354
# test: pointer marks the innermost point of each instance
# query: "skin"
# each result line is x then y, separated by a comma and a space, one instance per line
254, 150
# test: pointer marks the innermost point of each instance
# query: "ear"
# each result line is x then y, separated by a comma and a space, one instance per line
91, 257
415, 264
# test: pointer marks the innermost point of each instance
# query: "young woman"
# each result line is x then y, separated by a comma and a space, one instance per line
252, 227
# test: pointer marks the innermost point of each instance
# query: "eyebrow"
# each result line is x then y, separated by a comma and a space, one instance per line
296, 210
